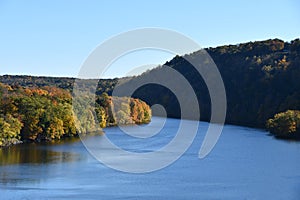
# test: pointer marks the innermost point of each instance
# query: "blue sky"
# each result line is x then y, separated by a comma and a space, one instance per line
54, 37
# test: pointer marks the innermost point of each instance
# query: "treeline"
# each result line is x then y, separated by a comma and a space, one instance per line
261, 79
47, 113
103, 85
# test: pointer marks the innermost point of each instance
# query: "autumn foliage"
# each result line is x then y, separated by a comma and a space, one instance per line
48, 113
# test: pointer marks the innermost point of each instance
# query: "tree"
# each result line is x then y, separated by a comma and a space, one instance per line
101, 116
10, 128
285, 124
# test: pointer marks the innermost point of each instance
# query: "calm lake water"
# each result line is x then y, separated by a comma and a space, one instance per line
245, 164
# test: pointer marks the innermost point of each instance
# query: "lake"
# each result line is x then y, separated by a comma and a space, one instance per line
245, 164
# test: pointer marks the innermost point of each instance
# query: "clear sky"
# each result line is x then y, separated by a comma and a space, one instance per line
54, 37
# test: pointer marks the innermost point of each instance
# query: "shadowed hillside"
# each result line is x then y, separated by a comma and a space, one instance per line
261, 79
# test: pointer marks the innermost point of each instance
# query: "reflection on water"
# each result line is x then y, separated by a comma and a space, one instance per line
36, 154
19, 161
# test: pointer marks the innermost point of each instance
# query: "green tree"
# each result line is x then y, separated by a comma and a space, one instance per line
101, 116
10, 128
285, 124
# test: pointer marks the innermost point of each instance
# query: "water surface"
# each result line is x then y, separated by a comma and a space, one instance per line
245, 164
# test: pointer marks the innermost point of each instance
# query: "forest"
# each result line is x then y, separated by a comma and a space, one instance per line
261, 79
46, 113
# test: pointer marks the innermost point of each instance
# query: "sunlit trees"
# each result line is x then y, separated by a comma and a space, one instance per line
140, 111
285, 124
31, 110
101, 116
121, 111
49, 113
10, 128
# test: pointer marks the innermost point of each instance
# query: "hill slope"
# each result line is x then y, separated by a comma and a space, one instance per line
261, 79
